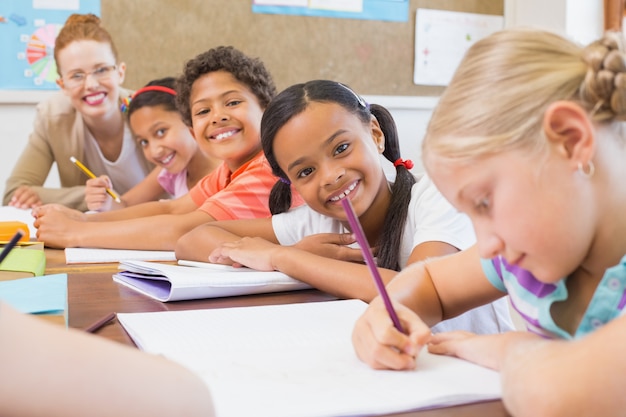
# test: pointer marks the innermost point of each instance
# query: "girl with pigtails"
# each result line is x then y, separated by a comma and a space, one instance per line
324, 140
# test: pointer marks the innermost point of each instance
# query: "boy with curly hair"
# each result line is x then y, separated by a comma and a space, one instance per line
222, 94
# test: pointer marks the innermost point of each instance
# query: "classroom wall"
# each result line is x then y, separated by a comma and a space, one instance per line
580, 19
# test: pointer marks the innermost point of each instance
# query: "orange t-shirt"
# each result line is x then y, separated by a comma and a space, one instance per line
243, 194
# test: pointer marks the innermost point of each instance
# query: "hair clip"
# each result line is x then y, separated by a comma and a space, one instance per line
362, 102
125, 104
408, 164
284, 180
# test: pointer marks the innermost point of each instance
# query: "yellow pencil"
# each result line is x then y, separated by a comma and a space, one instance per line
92, 175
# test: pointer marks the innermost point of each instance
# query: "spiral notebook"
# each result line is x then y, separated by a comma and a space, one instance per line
165, 282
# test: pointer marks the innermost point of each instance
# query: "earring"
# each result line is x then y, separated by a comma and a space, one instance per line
588, 170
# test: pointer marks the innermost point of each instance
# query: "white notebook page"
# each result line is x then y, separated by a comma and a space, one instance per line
297, 360
94, 255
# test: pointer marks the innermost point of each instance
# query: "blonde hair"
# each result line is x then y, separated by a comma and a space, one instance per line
501, 89
80, 27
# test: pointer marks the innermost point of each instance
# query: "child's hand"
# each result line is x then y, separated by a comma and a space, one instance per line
25, 197
331, 245
54, 228
253, 252
379, 344
96, 195
68, 212
484, 350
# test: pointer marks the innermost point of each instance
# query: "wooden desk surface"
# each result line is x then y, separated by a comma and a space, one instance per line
93, 295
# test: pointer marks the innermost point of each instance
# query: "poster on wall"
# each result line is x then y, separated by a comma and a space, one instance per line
28, 29
390, 10
441, 39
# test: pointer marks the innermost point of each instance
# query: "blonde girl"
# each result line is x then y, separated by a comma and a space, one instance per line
528, 140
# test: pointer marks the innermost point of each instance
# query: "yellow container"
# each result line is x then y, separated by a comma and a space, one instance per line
8, 230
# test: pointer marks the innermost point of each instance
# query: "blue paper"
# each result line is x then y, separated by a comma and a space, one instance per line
36, 295
389, 10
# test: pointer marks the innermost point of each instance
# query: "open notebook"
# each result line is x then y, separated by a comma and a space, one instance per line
174, 282
297, 360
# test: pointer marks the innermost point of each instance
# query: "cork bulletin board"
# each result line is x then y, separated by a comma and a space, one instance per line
156, 37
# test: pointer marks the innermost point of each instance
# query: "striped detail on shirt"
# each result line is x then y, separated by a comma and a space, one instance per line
243, 194
533, 299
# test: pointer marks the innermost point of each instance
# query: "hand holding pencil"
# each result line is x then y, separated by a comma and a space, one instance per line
92, 176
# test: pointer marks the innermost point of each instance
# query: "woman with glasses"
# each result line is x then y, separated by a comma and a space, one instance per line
83, 120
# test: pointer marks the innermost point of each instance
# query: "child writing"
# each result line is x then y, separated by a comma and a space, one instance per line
324, 138
221, 94
82, 120
542, 178
55, 372
167, 142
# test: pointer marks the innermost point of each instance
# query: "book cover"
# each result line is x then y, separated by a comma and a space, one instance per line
43, 296
165, 282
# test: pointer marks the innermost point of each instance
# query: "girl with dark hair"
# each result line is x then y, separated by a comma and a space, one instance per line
326, 141
166, 141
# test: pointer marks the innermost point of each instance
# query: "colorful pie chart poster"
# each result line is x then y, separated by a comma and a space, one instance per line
28, 29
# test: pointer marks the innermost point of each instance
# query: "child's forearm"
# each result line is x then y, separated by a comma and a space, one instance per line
80, 374
341, 278
565, 378
151, 208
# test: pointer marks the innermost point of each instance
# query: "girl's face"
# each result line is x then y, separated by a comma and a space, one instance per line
226, 118
328, 155
90, 77
531, 212
165, 139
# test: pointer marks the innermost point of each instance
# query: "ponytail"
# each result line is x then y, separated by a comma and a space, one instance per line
393, 227
280, 197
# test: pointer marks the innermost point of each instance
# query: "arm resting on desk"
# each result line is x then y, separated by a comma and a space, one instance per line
51, 371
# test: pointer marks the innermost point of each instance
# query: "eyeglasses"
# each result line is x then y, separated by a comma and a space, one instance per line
78, 78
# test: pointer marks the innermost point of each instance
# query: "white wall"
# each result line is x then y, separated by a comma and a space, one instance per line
581, 20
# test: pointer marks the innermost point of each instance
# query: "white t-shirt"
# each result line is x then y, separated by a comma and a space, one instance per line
127, 171
430, 218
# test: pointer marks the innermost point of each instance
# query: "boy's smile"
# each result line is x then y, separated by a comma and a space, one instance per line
226, 118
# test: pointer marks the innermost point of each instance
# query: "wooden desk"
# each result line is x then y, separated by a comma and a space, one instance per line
93, 295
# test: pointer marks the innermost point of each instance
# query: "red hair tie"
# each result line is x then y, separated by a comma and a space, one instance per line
408, 164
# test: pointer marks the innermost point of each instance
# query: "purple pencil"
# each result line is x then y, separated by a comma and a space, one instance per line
369, 260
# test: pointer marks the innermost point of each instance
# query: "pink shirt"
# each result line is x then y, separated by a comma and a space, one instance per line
243, 194
174, 184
